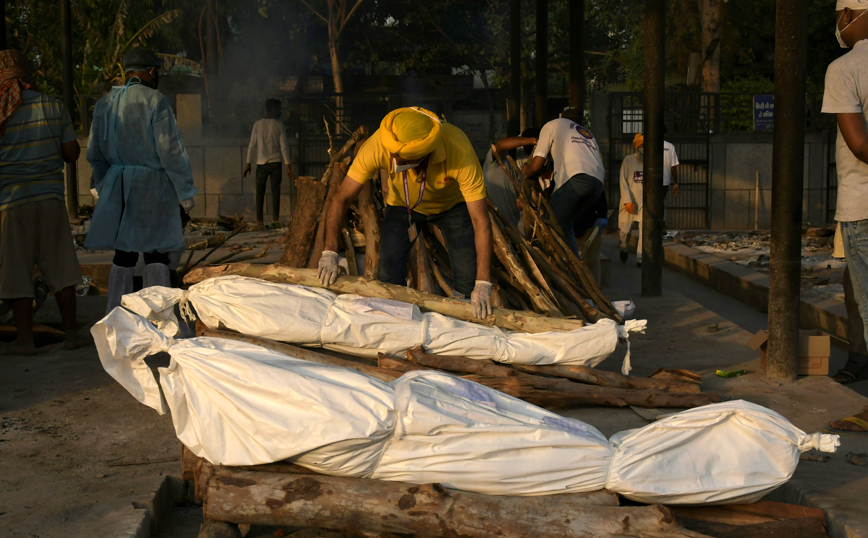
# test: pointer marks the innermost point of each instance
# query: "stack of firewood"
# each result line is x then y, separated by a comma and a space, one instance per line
533, 271
556, 386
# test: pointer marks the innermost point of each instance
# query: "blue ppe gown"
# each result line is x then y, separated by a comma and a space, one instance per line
140, 171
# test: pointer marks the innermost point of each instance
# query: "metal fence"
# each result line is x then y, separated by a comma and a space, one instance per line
691, 119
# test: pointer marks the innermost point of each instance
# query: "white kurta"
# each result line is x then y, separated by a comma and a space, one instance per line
631, 181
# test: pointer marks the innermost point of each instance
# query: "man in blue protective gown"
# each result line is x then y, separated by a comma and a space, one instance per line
140, 172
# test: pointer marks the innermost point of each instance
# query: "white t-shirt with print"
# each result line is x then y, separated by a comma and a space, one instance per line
573, 148
847, 93
670, 160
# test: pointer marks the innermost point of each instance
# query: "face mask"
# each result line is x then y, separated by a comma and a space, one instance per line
839, 30
403, 167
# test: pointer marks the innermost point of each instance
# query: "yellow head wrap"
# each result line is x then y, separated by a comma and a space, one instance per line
411, 133
638, 140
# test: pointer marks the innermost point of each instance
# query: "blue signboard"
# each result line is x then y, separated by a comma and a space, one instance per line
763, 112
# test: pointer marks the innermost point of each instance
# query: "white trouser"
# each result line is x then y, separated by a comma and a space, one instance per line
625, 227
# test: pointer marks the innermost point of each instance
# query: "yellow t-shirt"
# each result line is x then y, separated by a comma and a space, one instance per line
453, 176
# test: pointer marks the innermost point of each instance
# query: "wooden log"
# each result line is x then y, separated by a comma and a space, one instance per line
370, 218
339, 172
353, 504
302, 225
309, 208
546, 391
592, 376
682, 376
423, 277
302, 353
786, 528
750, 514
592, 395
218, 529
568, 307
505, 319
350, 252
440, 277
559, 278
507, 257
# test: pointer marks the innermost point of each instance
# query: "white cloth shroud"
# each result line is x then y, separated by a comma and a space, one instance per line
368, 326
235, 403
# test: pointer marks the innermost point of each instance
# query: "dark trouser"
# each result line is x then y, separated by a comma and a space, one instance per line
128, 259
263, 172
571, 201
457, 230
857, 360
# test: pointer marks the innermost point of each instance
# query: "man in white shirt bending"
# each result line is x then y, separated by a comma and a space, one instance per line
578, 170
268, 146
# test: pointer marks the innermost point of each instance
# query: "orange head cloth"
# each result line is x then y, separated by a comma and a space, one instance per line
410, 133
638, 140
13, 79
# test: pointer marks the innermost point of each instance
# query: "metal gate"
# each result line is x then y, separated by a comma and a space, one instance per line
684, 118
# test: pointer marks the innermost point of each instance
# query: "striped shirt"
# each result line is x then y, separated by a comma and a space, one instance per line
31, 163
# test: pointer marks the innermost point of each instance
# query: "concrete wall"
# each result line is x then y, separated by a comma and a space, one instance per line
734, 159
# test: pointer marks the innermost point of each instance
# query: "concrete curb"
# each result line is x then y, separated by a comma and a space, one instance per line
752, 288
141, 520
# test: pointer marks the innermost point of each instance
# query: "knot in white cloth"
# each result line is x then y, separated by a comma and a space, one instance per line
823, 442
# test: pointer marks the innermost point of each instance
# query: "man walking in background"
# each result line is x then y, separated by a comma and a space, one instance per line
141, 172
632, 179
36, 138
268, 147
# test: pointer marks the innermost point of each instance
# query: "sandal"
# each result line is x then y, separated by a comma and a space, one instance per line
844, 377
855, 420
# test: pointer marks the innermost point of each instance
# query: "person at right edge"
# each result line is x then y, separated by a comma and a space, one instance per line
578, 170
141, 172
846, 96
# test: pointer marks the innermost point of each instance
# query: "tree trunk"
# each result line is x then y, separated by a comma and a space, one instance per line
338, 174
354, 504
710, 11
371, 222
302, 224
505, 319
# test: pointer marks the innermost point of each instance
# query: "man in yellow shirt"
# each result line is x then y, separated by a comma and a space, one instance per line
434, 177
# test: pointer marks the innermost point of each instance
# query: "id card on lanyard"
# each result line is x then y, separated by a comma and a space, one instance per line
412, 230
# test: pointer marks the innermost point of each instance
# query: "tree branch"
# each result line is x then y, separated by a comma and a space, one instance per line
315, 12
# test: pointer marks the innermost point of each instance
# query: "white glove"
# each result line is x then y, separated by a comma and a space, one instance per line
327, 271
94, 194
188, 204
480, 299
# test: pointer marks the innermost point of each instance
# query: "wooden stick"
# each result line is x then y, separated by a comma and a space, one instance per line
354, 505
424, 278
350, 252
592, 376
544, 391
339, 172
593, 395
303, 224
505, 254
301, 353
505, 319
371, 222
